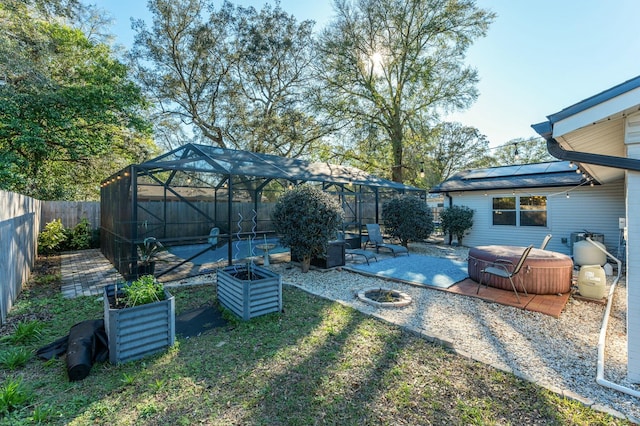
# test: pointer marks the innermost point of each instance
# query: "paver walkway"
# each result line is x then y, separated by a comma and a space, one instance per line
85, 272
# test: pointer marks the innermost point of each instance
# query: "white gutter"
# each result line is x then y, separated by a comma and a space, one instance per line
603, 334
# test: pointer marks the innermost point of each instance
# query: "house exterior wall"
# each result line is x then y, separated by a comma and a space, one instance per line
633, 276
632, 141
595, 209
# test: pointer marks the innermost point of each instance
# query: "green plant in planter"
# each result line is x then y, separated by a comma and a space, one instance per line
307, 219
140, 321
148, 250
145, 289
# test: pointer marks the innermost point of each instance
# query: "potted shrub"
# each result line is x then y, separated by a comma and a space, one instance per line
306, 219
139, 318
249, 290
148, 251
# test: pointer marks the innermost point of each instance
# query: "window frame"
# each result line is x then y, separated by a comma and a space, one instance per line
504, 209
530, 213
499, 207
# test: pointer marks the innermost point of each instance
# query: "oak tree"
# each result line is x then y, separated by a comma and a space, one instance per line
391, 64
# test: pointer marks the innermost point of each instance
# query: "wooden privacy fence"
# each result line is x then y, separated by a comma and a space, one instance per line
19, 225
21, 220
70, 213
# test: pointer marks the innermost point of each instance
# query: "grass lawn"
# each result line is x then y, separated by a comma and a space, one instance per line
317, 363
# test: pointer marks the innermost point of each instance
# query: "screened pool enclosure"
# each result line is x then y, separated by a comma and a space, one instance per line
182, 196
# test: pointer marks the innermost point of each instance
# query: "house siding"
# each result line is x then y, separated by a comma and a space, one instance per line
633, 269
595, 209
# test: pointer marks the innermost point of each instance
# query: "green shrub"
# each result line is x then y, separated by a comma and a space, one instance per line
307, 219
79, 237
457, 220
408, 218
55, 237
52, 238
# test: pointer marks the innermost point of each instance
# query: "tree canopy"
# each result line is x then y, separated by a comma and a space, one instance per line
240, 77
452, 147
388, 65
68, 109
368, 90
522, 151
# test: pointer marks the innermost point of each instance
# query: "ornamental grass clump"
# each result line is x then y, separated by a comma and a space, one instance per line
14, 358
149, 250
24, 332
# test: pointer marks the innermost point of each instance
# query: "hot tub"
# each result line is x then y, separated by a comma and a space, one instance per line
543, 272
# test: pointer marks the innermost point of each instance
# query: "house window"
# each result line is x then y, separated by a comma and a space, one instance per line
533, 211
504, 211
520, 211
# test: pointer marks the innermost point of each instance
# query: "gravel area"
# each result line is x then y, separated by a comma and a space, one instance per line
559, 354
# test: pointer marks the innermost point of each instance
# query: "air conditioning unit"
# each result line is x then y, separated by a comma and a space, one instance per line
579, 236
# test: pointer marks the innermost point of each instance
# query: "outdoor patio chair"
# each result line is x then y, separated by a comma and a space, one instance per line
375, 238
353, 252
367, 255
545, 241
213, 236
500, 268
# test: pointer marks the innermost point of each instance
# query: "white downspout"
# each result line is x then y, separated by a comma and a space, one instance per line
603, 334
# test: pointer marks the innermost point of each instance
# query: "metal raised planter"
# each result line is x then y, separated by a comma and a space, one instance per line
138, 331
249, 290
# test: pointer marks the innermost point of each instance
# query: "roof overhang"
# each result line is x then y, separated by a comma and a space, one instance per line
592, 132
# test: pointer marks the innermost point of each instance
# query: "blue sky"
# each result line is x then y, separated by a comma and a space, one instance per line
537, 58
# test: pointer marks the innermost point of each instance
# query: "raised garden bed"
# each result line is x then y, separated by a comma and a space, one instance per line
137, 331
249, 290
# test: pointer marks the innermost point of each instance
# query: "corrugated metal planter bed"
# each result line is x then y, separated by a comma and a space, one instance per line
138, 331
249, 290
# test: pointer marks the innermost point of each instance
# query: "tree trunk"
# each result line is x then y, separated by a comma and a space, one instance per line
396, 136
305, 264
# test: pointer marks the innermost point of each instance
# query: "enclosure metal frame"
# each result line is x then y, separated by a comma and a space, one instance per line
230, 171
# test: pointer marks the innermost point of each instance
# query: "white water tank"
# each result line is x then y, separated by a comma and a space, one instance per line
585, 253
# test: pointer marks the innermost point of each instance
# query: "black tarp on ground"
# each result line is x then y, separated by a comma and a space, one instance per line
85, 345
197, 321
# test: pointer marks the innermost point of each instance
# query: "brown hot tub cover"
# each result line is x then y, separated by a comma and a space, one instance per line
544, 272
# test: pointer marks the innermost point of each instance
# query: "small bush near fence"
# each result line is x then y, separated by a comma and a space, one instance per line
56, 238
